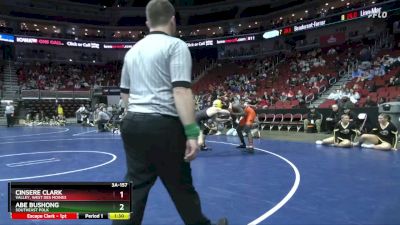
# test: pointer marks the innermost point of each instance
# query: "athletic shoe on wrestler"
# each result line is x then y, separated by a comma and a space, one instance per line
250, 149
319, 142
205, 148
367, 145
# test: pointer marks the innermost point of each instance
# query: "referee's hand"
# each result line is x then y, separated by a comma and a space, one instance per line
192, 148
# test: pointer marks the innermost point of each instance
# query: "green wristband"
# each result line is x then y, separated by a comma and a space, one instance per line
192, 131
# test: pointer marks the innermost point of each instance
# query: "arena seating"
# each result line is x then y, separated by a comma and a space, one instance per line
377, 88
311, 90
68, 76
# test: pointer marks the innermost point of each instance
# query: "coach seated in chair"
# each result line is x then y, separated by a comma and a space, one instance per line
313, 121
333, 119
103, 119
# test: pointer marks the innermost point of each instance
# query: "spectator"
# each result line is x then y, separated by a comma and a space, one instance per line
284, 96
263, 103
333, 118
316, 85
394, 81
345, 103
313, 79
301, 78
77, 86
265, 95
321, 77
293, 66
293, 81
356, 74
332, 51
300, 97
314, 119
274, 93
354, 96
321, 61
378, 70
335, 95
290, 94
367, 75
346, 93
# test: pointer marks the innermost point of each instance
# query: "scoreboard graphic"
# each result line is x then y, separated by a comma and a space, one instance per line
69, 201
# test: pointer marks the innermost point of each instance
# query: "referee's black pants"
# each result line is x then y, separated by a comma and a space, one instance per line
9, 120
155, 147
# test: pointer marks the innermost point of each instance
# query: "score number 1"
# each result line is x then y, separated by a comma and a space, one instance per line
121, 206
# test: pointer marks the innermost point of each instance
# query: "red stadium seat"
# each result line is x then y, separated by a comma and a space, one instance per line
269, 119
277, 121
363, 92
373, 95
295, 103
379, 83
297, 121
261, 117
286, 121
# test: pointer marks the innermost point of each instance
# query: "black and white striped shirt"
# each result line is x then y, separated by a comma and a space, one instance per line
9, 109
151, 69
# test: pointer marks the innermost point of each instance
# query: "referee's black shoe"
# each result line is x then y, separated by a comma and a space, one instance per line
223, 221
241, 146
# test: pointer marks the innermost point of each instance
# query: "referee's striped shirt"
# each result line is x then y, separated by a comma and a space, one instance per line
151, 69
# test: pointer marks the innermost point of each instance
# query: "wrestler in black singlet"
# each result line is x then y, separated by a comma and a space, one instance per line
201, 118
388, 134
344, 133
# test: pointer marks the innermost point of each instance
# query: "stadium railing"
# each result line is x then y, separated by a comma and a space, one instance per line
60, 94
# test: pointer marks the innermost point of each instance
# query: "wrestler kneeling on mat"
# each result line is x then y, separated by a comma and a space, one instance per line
383, 137
343, 134
204, 115
245, 124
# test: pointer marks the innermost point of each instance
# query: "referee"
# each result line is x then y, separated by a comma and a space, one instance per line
9, 112
159, 131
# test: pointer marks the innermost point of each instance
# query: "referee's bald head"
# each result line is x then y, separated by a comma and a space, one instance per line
159, 13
